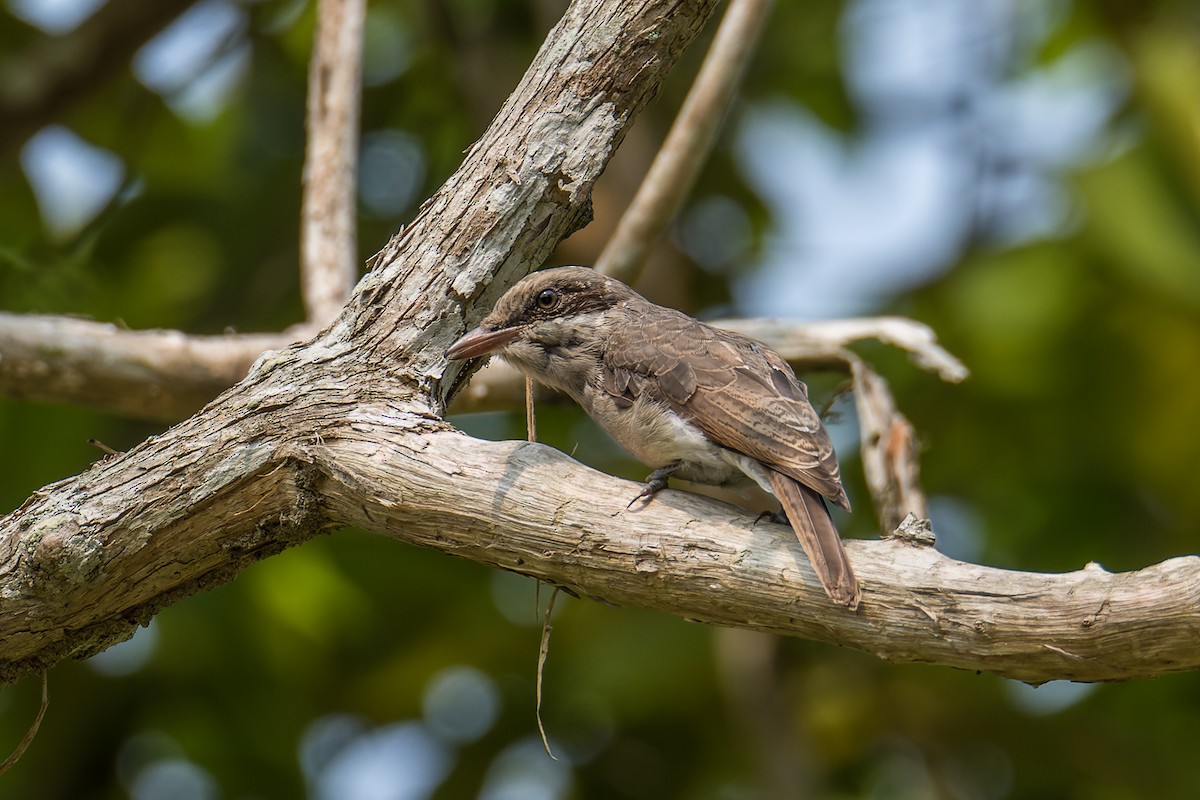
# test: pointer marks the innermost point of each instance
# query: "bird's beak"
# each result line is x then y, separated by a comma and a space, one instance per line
480, 342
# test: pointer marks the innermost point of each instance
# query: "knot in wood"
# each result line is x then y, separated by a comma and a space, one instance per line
62, 552
646, 560
915, 531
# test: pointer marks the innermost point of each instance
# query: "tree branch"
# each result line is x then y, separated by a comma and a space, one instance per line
159, 375
328, 244
915, 338
708, 561
689, 142
346, 430
88, 566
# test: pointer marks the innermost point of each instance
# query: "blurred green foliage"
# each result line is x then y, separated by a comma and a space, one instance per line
1074, 440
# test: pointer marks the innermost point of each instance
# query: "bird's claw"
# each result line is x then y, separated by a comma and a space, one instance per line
778, 517
651, 488
655, 483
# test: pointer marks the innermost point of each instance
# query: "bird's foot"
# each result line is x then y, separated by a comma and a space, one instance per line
778, 517
655, 483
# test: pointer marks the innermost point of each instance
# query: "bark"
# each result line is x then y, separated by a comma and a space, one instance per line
347, 429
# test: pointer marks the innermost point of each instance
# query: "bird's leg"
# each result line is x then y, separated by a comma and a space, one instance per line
656, 482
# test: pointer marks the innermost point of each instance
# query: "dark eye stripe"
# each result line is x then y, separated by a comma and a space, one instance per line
561, 301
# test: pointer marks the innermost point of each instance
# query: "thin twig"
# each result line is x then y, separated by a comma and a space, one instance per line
916, 338
33, 729
328, 246
530, 419
543, 650
107, 450
688, 143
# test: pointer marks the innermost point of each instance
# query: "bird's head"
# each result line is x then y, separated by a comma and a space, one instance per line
549, 325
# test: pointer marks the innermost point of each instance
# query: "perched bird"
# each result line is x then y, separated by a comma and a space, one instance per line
688, 399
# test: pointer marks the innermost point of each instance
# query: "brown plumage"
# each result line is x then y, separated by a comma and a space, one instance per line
688, 399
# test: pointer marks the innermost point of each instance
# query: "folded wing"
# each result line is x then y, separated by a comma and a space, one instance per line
743, 395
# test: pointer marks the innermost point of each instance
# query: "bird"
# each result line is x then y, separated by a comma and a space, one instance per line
687, 399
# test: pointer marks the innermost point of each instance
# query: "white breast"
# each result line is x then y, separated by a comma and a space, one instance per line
656, 436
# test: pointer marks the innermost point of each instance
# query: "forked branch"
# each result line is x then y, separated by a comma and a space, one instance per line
347, 430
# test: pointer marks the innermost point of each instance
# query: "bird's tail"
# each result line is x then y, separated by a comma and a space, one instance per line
807, 512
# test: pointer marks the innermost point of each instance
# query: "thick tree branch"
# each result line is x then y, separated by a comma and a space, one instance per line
328, 243
708, 561
199, 513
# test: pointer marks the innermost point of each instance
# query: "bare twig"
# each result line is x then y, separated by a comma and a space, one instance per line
543, 651
916, 338
688, 143
108, 451
28, 738
328, 244
530, 416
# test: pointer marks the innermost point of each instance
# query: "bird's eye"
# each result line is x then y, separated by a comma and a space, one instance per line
547, 299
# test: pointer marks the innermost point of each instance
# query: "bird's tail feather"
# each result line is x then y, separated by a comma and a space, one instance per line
809, 515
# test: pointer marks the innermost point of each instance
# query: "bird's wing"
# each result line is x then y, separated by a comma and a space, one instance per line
743, 395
